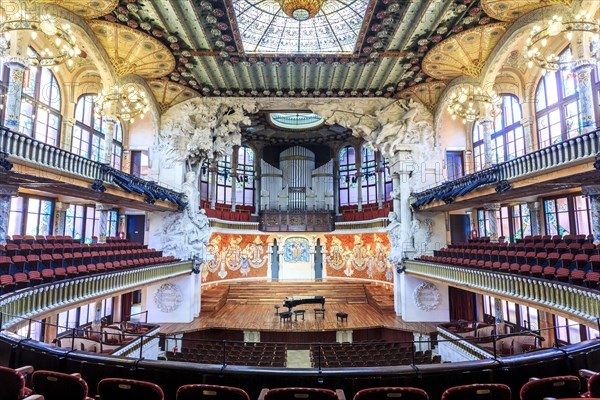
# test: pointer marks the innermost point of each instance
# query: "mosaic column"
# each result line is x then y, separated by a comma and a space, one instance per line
213, 170
103, 231
492, 212
593, 193
534, 217
14, 94
60, 216
584, 68
6, 191
486, 127
498, 312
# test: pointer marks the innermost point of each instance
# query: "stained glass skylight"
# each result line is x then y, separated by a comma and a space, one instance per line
264, 27
296, 120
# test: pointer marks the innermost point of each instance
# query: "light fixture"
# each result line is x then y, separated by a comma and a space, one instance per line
124, 102
60, 37
472, 103
536, 51
301, 10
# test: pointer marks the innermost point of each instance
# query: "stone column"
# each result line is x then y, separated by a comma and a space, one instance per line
60, 215
213, 170
108, 142
336, 185
6, 191
103, 230
380, 188
492, 211
528, 133
66, 134
499, 311
233, 176
258, 155
593, 193
583, 66
359, 175
534, 217
395, 192
486, 127
14, 93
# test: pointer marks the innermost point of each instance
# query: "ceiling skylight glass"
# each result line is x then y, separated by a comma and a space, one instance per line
295, 121
264, 27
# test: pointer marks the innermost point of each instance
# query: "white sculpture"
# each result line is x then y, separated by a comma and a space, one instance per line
395, 236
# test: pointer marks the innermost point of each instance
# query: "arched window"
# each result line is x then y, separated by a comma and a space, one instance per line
556, 106
369, 179
348, 185
244, 187
40, 105
508, 138
90, 131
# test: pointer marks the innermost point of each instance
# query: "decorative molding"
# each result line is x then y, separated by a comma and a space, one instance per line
168, 297
426, 296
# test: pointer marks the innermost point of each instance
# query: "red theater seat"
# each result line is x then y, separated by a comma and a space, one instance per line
554, 386
13, 384
128, 389
291, 393
484, 391
59, 386
386, 393
210, 392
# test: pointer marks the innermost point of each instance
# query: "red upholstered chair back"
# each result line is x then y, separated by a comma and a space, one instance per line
295, 393
128, 389
58, 386
554, 386
386, 393
483, 391
13, 384
594, 385
211, 392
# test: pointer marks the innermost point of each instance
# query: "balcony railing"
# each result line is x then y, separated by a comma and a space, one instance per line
578, 303
572, 150
28, 303
19, 147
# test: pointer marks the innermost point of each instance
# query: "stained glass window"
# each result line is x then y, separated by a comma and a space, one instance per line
369, 178
112, 223
557, 106
244, 186
348, 181
39, 217
90, 131
40, 105
521, 221
507, 138
92, 223
557, 216
583, 222
74, 220
15, 218
264, 28
224, 181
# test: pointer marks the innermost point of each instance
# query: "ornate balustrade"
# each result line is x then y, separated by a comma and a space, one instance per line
577, 303
38, 300
19, 147
570, 151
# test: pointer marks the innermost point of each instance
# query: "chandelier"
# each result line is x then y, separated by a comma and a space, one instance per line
472, 103
62, 47
301, 10
124, 102
538, 39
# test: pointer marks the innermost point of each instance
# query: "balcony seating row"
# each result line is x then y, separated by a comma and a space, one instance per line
55, 385
25, 249
29, 239
34, 262
256, 354
369, 211
21, 280
370, 355
527, 242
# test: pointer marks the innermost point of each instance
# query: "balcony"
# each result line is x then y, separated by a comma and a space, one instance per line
29, 163
564, 165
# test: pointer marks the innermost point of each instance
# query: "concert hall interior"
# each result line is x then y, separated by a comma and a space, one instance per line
353, 199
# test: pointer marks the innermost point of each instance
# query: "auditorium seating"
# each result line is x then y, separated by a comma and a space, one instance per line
489, 391
209, 392
384, 393
128, 389
555, 386
291, 393
252, 354
369, 355
13, 384
369, 211
593, 382
574, 259
58, 386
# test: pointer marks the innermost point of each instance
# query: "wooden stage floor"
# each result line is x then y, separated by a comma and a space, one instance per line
262, 317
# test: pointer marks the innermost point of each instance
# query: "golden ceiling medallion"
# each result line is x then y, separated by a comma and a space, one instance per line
168, 94
427, 93
464, 53
87, 9
509, 10
301, 10
133, 51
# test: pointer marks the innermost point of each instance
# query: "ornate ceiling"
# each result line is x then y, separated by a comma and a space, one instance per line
352, 48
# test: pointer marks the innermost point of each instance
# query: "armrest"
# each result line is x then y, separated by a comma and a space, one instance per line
586, 373
264, 391
77, 374
340, 394
534, 379
27, 369
34, 397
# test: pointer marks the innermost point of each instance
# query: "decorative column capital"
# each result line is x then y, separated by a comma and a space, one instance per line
104, 207
534, 205
491, 206
9, 190
584, 64
592, 190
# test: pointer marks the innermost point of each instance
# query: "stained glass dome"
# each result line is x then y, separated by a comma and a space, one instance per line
265, 28
296, 121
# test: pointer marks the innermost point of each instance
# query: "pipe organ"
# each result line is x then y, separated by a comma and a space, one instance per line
297, 184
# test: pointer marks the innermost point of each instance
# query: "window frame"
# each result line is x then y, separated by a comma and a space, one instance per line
368, 168
571, 214
347, 173
25, 214
245, 187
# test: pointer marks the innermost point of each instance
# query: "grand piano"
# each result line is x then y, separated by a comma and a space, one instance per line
291, 302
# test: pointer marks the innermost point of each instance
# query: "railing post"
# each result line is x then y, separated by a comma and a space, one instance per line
142, 347
495, 344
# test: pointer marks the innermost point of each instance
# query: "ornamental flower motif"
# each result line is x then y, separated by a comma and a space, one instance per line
132, 23
175, 46
371, 39
415, 60
442, 30
222, 26
283, 60
423, 42
366, 50
122, 17
181, 69
412, 83
474, 11
110, 18
252, 60
227, 38
218, 12
344, 61
313, 61
172, 39
122, 10
133, 7
423, 49
468, 20
484, 20
267, 60
458, 28
376, 27
157, 33
381, 14
298, 60
436, 38
430, 79
415, 68
230, 48
183, 60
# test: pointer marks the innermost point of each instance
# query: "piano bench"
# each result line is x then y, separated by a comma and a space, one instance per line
341, 316
319, 311
299, 312
285, 315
